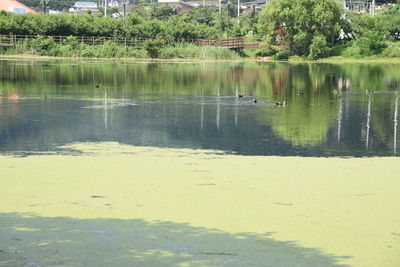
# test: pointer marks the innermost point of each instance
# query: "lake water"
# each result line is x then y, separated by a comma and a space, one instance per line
146, 168
47, 104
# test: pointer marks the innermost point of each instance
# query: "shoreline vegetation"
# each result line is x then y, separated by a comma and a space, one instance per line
329, 33
291, 60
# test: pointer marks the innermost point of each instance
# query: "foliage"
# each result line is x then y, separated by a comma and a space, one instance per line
369, 33
295, 23
267, 48
153, 47
307, 28
73, 48
171, 28
281, 55
319, 48
391, 17
184, 50
393, 50
179, 50
339, 48
217, 53
366, 46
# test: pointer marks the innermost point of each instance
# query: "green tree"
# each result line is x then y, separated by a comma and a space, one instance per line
369, 33
295, 23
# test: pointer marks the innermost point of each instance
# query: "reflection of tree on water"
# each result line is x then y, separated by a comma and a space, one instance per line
218, 115
339, 119
304, 122
368, 122
384, 119
172, 98
309, 115
105, 111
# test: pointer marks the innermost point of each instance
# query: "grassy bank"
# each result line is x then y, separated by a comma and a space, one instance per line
341, 59
331, 60
105, 204
152, 49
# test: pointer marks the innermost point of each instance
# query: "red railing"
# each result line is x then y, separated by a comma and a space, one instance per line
138, 42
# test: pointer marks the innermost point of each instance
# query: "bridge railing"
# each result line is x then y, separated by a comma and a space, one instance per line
137, 42
232, 42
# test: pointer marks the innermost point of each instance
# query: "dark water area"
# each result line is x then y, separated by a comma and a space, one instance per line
46, 104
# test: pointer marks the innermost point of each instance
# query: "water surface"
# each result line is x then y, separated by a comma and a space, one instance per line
45, 104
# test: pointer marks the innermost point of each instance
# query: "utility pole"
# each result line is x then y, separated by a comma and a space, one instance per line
44, 5
238, 8
219, 6
373, 7
105, 8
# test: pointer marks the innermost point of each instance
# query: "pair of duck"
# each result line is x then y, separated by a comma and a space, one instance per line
336, 92
254, 100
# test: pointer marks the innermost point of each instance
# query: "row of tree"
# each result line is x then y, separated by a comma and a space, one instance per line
148, 21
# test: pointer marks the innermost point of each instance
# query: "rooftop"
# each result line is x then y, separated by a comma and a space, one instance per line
14, 6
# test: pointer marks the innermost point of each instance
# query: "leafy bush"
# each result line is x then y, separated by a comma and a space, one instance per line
366, 46
281, 55
153, 47
217, 53
338, 49
88, 51
136, 53
392, 50
267, 51
42, 45
71, 42
267, 48
318, 48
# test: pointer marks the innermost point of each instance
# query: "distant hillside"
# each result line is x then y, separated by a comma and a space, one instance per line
53, 4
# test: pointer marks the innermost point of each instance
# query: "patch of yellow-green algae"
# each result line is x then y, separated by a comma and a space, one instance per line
181, 207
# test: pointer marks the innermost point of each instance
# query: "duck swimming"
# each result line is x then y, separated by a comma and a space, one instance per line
240, 95
254, 100
98, 85
279, 103
369, 91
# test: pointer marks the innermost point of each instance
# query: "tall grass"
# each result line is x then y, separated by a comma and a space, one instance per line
185, 50
73, 48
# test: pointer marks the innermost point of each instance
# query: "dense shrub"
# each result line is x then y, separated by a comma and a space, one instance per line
180, 50
282, 55
370, 45
319, 48
153, 47
393, 50
217, 53
338, 49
